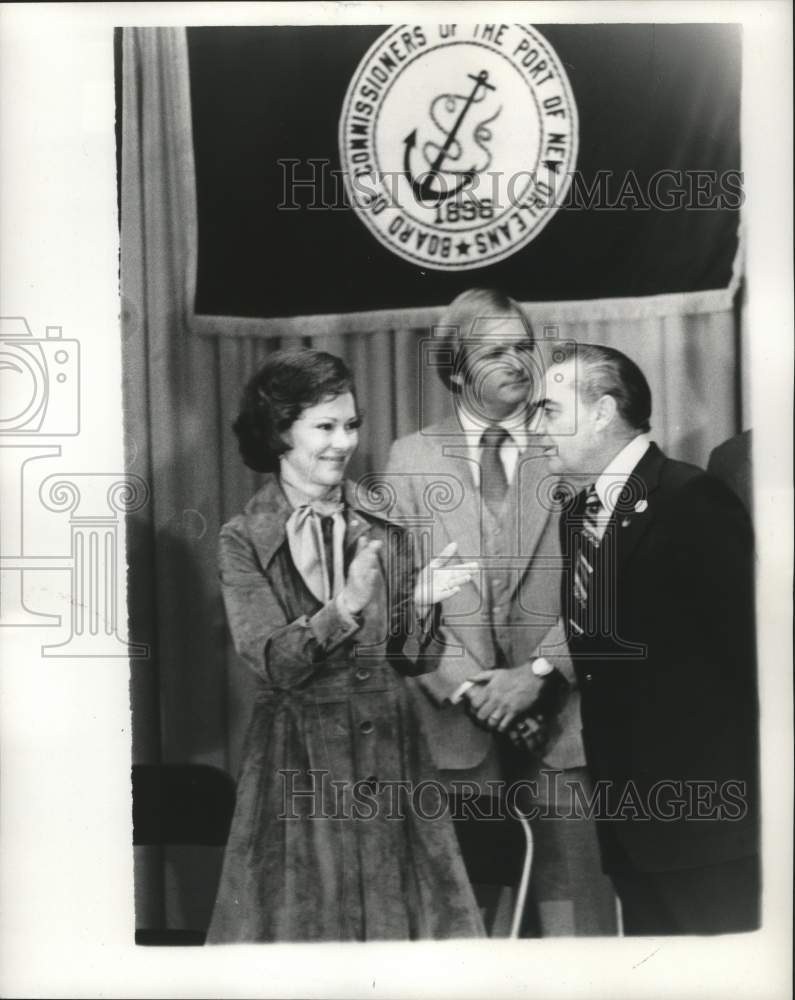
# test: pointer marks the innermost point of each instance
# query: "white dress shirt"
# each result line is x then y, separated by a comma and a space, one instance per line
615, 475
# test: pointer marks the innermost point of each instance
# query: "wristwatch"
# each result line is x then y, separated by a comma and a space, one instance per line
541, 667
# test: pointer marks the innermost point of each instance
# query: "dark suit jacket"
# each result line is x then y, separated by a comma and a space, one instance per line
731, 463
683, 708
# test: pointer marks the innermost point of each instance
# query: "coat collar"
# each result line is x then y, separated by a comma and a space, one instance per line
453, 428
268, 511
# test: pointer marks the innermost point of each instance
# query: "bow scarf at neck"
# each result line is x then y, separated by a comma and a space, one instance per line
308, 549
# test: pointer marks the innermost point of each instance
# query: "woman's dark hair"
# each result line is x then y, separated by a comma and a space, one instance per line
274, 398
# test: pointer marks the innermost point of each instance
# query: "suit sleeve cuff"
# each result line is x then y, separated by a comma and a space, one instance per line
333, 624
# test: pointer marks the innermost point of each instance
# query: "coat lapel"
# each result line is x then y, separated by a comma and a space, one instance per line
358, 522
635, 513
533, 488
267, 513
459, 522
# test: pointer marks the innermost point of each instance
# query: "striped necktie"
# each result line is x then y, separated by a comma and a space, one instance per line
585, 551
493, 481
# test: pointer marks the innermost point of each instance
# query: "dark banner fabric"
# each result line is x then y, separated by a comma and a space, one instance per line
652, 207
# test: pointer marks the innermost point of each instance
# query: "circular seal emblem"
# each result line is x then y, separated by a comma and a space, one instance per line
458, 141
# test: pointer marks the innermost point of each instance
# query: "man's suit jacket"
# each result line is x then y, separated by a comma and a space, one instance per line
731, 463
435, 493
685, 709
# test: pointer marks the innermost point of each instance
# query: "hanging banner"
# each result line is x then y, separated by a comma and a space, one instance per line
362, 169
457, 142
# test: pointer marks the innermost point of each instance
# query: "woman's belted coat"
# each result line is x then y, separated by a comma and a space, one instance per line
334, 837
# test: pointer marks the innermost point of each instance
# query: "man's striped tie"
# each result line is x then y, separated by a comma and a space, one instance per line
586, 547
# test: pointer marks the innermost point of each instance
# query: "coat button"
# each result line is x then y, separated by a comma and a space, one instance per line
366, 727
589, 678
363, 674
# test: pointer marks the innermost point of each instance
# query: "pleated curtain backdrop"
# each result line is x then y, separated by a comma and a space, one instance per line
191, 696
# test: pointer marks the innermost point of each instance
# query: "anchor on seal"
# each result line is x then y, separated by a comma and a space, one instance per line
425, 191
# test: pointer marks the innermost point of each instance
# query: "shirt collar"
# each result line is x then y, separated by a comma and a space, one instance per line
610, 483
515, 424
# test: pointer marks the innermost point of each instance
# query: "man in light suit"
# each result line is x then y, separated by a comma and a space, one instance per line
659, 600
478, 479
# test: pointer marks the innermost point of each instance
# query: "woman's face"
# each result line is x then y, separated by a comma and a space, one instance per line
322, 441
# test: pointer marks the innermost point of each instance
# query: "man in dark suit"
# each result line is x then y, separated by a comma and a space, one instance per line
731, 463
658, 598
475, 479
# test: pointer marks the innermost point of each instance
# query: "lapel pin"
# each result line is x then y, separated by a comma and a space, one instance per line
640, 506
